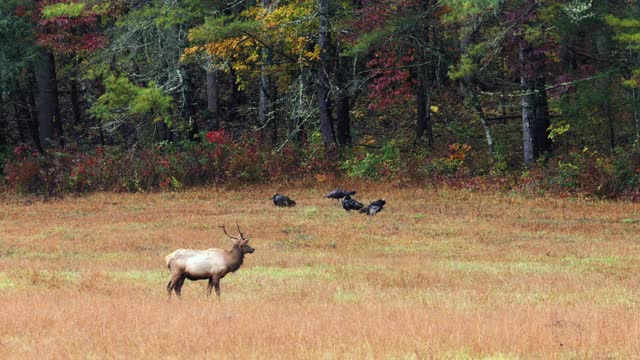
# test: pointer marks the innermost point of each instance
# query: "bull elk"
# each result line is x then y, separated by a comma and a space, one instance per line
210, 264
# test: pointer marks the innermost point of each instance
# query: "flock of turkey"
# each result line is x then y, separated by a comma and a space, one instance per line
343, 196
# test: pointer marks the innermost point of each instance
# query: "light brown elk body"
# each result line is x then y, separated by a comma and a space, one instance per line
210, 264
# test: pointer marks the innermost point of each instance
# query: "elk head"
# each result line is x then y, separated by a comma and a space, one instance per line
241, 241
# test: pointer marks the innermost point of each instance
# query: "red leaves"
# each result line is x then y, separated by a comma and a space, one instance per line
20, 11
393, 84
390, 61
217, 137
68, 35
19, 150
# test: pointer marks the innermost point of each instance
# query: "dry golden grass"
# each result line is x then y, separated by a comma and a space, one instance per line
438, 274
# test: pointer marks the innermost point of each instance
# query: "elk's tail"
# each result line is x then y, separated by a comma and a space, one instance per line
170, 257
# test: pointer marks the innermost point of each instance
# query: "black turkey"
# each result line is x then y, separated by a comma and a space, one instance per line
282, 201
374, 208
350, 204
339, 194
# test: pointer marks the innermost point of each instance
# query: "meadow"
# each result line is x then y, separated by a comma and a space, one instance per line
447, 274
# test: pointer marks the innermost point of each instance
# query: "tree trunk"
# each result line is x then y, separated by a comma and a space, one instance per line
267, 90
32, 119
237, 98
189, 109
326, 118
567, 59
635, 97
475, 102
22, 123
75, 102
535, 110
423, 92
542, 120
267, 95
636, 116
272, 114
3, 122
343, 119
468, 89
423, 103
612, 132
191, 103
213, 108
301, 109
47, 100
343, 104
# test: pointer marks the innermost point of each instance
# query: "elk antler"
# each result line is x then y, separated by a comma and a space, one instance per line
240, 232
234, 238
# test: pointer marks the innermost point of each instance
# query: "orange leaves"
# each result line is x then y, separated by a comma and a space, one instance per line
458, 151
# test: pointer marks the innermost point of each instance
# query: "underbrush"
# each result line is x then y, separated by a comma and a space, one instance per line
220, 160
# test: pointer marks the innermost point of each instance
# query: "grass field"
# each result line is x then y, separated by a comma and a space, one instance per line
438, 274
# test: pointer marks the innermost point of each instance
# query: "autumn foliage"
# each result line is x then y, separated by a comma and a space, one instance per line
67, 27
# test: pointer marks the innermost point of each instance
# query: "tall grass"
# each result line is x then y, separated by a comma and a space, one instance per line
438, 274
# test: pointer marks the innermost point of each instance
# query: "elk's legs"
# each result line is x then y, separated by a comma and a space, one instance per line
172, 284
175, 284
216, 284
210, 286
178, 286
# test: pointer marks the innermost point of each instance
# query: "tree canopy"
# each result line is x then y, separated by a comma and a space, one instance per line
489, 87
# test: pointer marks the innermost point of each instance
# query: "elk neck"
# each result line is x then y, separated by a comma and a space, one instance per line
234, 258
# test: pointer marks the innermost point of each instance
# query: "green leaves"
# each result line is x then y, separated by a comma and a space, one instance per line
163, 16
627, 30
16, 43
123, 98
466, 67
628, 34
374, 165
462, 11
220, 28
70, 10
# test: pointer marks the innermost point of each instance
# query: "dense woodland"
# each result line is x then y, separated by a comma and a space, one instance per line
132, 95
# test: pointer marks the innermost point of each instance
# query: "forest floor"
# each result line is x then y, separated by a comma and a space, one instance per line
438, 274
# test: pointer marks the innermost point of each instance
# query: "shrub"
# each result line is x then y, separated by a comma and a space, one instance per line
31, 172
216, 159
383, 164
588, 172
452, 165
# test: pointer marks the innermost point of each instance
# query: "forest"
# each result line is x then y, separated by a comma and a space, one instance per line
501, 138
143, 95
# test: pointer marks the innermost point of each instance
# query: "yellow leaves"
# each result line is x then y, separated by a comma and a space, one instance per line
299, 47
192, 50
313, 55
253, 58
228, 48
368, 140
325, 177
257, 12
284, 15
191, 53
358, 114
287, 27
